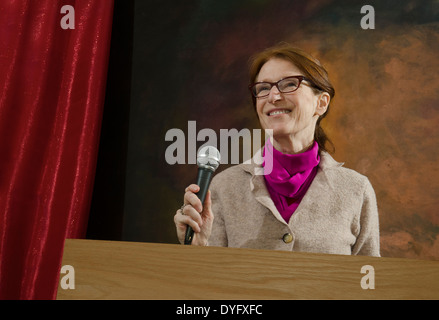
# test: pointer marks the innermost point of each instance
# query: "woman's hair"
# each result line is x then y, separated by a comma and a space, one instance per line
311, 68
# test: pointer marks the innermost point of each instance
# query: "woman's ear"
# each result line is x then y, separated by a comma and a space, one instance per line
323, 103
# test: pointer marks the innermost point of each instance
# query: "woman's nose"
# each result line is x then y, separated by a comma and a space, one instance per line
274, 95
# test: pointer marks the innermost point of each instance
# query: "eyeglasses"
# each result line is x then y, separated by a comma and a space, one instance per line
285, 85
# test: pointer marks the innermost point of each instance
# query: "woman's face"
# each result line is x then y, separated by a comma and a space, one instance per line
294, 114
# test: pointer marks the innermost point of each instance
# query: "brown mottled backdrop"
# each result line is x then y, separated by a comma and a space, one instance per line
190, 63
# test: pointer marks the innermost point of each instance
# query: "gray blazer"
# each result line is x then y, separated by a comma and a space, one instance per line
338, 214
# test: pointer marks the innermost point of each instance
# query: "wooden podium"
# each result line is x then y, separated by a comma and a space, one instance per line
130, 270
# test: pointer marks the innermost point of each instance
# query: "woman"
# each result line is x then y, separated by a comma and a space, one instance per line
306, 201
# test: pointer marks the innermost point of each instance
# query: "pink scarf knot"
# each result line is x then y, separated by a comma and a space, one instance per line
290, 177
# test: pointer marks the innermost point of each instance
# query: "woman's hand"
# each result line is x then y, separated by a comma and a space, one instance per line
194, 214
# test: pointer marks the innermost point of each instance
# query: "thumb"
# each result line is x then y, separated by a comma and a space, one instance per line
208, 201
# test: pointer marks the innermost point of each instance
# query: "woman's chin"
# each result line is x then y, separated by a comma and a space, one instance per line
279, 132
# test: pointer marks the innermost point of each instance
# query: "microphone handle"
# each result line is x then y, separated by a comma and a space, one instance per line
204, 177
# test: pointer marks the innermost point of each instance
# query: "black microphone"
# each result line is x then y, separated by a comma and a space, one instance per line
208, 160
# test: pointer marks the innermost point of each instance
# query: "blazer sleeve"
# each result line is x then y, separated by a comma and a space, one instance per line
368, 238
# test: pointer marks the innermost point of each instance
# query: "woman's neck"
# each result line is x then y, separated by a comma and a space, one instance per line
292, 145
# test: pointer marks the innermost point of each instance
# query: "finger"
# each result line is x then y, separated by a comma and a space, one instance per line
207, 211
193, 187
208, 201
192, 199
182, 221
193, 214
188, 221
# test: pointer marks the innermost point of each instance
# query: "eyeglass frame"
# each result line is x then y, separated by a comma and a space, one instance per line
300, 78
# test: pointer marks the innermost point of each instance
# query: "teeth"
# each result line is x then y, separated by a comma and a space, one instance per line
278, 112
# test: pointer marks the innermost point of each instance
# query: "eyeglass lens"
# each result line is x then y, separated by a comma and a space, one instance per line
288, 85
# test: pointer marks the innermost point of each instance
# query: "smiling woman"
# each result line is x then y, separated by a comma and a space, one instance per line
307, 201
283, 61
291, 114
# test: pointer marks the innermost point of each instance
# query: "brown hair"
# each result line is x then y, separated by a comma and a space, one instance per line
311, 68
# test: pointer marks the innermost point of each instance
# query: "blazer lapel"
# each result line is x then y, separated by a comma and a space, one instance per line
317, 189
257, 184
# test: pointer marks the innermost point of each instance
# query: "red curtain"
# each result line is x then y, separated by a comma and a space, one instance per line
52, 84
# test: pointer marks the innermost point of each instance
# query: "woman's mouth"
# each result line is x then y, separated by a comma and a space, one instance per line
278, 111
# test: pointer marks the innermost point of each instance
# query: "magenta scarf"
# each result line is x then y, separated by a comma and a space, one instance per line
290, 177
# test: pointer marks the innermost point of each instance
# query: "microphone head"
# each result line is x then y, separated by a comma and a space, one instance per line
208, 157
